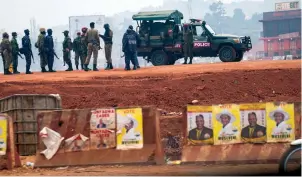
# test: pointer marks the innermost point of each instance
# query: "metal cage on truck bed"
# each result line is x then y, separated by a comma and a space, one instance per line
23, 109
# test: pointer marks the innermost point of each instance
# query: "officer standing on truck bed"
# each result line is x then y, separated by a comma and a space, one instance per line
188, 44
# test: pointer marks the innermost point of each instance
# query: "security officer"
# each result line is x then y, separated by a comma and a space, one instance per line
27, 51
15, 52
84, 45
77, 50
93, 46
49, 48
188, 43
6, 53
107, 37
67, 47
130, 42
42, 52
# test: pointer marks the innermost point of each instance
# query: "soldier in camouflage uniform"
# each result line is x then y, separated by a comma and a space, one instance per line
188, 44
84, 45
15, 52
67, 47
93, 46
77, 50
6, 53
42, 52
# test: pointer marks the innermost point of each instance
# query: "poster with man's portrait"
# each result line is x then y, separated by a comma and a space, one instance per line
129, 129
199, 125
102, 129
280, 122
226, 121
253, 123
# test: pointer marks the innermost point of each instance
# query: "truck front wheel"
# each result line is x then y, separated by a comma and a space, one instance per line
227, 54
239, 55
159, 58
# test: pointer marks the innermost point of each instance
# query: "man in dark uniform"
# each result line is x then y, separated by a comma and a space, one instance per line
77, 50
26, 46
49, 50
253, 130
84, 45
15, 52
67, 47
200, 132
188, 44
130, 42
107, 37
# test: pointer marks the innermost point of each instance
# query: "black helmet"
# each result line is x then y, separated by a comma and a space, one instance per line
26, 31
106, 25
5, 35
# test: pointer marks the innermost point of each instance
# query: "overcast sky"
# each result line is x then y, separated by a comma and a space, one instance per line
15, 14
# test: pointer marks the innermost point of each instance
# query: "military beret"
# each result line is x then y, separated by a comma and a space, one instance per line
65, 32
42, 29
14, 34
131, 27
106, 25
92, 23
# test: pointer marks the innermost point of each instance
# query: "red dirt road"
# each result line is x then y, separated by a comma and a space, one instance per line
168, 87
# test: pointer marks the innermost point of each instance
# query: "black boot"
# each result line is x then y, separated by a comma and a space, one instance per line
27, 70
69, 67
190, 61
52, 70
185, 61
108, 66
43, 70
111, 66
15, 70
82, 66
77, 67
94, 68
7, 72
86, 67
134, 67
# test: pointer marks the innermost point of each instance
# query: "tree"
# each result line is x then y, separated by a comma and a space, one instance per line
239, 15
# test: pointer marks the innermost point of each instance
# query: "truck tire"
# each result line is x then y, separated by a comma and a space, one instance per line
159, 58
239, 56
227, 54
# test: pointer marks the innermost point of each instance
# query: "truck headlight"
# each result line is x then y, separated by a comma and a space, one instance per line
237, 40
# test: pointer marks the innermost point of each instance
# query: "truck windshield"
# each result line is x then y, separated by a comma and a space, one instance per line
210, 29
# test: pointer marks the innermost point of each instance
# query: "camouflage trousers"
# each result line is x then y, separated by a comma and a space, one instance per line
108, 51
66, 57
7, 59
43, 60
92, 49
79, 56
188, 50
15, 61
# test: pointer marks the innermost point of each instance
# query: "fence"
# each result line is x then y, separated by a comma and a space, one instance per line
71, 122
23, 109
9, 158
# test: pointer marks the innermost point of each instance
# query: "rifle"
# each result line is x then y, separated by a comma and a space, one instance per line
31, 53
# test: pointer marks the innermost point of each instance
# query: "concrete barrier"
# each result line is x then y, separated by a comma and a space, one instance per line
71, 122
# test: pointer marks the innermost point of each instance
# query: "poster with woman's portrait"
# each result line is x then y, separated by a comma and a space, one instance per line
226, 119
280, 122
253, 123
199, 125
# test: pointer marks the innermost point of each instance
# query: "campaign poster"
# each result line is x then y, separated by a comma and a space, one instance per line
3, 135
280, 122
102, 118
129, 128
102, 129
253, 123
199, 125
76, 143
226, 121
102, 139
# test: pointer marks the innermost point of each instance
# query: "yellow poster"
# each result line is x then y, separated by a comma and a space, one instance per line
226, 119
3, 135
253, 123
280, 122
129, 128
199, 125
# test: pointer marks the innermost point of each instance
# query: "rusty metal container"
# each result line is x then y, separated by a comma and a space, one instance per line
23, 108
